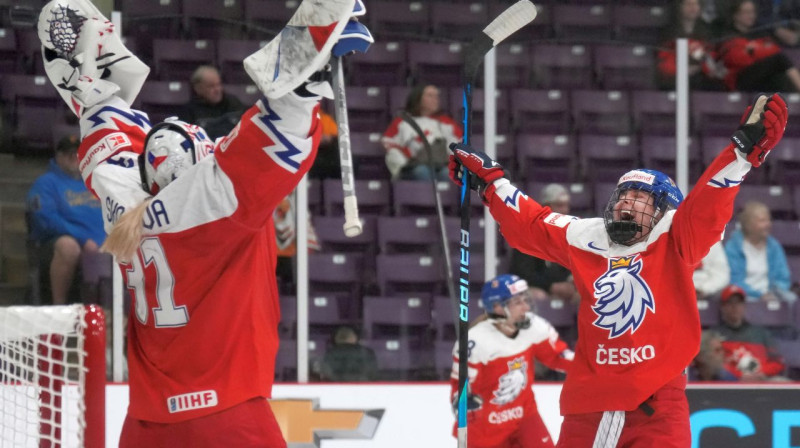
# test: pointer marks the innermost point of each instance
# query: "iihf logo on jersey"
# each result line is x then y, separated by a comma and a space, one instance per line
512, 383
623, 297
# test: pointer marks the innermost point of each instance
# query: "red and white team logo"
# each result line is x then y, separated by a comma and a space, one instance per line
511, 384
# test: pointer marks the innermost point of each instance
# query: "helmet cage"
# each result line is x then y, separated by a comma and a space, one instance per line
663, 192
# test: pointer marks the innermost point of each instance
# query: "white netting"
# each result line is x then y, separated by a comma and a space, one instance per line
42, 376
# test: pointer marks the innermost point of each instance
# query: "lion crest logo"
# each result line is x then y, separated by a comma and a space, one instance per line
511, 384
623, 297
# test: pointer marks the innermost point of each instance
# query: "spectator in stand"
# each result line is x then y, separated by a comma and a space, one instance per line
709, 364
750, 352
285, 216
406, 156
210, 107
347, 360
713, 273
704, 72
757, 260
547, 279
65, 219
753, 58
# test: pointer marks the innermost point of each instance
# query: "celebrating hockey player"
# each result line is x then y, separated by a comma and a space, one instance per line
190, 219
503, 345
638, 323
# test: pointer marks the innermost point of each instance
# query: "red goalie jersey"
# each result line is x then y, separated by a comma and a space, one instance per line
629, 349
501, 374
204, 294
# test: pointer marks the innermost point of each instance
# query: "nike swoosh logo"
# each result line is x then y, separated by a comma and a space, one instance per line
592, 246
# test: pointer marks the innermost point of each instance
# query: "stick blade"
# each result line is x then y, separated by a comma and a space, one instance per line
511, 20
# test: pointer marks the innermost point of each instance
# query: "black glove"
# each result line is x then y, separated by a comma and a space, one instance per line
474, 402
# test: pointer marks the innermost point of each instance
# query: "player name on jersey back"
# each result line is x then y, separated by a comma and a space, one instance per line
191, 401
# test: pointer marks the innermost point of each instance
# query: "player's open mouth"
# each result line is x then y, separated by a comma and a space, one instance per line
626, 215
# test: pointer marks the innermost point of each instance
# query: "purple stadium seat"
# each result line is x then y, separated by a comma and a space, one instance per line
339, 274
315, 197
717, 113
391, 19
401, 274
458, 21
435, 63
477, 235
653, 112
151, 19
176, 59
558, 312
374, 197
31, 101
641, 24
444, 318
397, 317
327, 311
477, 274
790, 351
605, 158
286, 361
96, 278
777, 197
409, 234
582, 22
712, 146
784, 164
248, 94
547, 158
601, 112
539, 29
264, 18
540, 111
443, 358
788, 234
367, 108
624, 67
230, 54
773, 314
162, 99
709, 312
513, 66
385, 64
369, 156
29, 51
398, 359
332, 238
288, 324
214, 19
658, 153
562, 66
9, 55
478, 106
413, 198
602, 193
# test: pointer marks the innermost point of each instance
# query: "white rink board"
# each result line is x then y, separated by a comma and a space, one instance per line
414, 413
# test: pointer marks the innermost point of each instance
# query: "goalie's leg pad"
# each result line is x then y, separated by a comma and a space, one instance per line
302, 47
76, 31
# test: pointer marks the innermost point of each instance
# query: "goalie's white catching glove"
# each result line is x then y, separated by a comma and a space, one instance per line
84, 57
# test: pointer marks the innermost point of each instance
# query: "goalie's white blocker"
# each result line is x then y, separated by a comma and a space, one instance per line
84, 56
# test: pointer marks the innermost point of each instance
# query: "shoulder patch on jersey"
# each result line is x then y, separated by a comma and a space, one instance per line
559, 220
102, 150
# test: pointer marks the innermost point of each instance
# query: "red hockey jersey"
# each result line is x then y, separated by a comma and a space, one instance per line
501, 373
647, 330
202, 334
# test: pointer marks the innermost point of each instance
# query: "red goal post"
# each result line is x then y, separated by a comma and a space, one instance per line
52, 376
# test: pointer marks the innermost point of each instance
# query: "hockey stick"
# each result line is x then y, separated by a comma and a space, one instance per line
352, 224
508, 22
451, 285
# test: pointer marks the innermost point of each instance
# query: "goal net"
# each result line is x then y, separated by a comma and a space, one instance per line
52, 376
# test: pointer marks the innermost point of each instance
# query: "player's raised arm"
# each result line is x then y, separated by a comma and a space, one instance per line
517, 214
709, 206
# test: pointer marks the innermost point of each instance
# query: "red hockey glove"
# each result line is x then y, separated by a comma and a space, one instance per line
484, 169
762, 128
